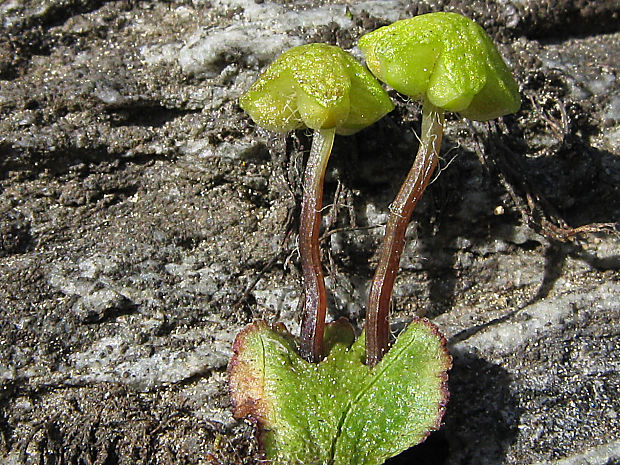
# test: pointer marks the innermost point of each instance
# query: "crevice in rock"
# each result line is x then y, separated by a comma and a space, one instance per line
30, 165
148, 115
57, 13
558, 20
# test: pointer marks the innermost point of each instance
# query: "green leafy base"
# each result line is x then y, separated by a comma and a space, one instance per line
339, 411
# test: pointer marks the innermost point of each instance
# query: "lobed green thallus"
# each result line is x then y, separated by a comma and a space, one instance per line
324, 88
339, 411
450, 63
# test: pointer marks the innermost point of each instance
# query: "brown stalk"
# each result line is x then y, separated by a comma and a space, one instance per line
313, 321
377, 315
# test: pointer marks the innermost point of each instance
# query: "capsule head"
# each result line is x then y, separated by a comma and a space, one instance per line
446, 58
317, 86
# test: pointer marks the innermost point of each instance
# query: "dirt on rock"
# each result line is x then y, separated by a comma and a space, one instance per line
144, 220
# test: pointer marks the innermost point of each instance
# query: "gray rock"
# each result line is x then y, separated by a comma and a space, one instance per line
144, 220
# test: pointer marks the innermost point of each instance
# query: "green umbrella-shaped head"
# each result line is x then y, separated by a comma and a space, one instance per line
317, 86
447, 59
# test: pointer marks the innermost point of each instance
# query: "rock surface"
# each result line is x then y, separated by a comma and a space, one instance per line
144, 220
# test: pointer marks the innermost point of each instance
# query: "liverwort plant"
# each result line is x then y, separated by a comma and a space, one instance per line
339, 411
314, 400
323, 88
449, 63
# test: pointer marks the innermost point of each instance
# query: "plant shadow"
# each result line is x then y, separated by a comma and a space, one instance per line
481, 419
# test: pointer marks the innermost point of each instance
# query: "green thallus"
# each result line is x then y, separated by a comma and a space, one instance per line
339, 411
323, 88
450, 63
